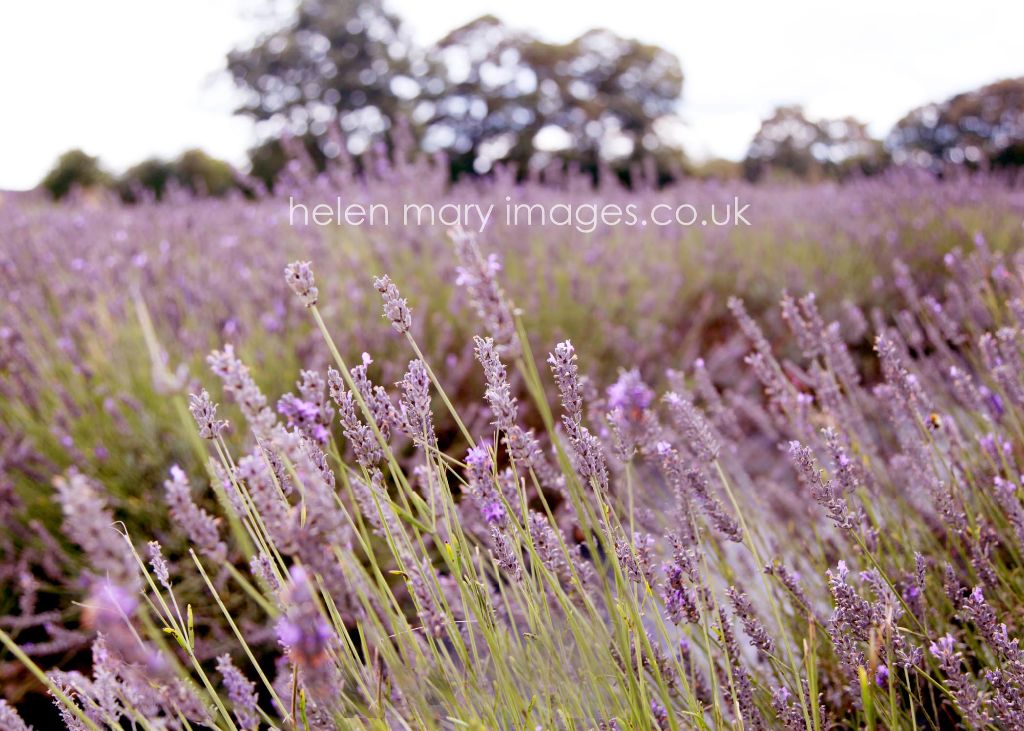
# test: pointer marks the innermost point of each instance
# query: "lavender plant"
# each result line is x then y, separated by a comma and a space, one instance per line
801, 519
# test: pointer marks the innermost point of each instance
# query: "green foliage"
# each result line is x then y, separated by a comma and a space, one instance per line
150, 175
74, 169
980, 128
484, 95
331, 57
507, 96
788, 144
204, 174
194, 171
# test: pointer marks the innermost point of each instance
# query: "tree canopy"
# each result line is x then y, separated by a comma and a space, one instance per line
74, 169
484, 94
979, 128
790, 144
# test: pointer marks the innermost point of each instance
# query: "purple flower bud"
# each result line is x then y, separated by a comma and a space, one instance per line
396, 309
493, 511
10, 720
204, 411
299, 275
882, 676
630, 394
159, 564
241, 693
943, 647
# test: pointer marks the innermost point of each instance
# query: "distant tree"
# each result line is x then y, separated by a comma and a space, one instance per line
148, 178
269, 158
74, 169
980, 128
203, 174
335, 59
506, 96
484, 94
790, 144
193, 170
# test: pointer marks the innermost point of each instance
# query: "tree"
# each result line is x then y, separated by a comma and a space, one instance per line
74, 169
790, 144
203, 174
336, 59
980, 128
506, 96
270, 157
193, 170
484, 94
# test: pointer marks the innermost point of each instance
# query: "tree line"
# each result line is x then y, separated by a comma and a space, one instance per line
342, 79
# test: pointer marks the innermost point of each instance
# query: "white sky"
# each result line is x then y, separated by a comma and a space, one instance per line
128, 79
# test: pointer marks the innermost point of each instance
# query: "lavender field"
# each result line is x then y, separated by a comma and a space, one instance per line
258, 475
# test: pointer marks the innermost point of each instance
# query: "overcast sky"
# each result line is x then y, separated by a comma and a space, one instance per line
129, 79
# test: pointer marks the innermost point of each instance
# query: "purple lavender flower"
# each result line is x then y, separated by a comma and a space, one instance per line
822, 491
968, 699
635, 557
691, 483
414, 405
310, 411
10, 720
299, 275
694, 427
752, 625
590, 459
89, 523
521, 443
109, 607
660, 716
787, 710
241, 693
566, 373
479, 276
396, 309
433, 618
493, 512
303, 630
204, 411
630, 394
499, 392
159, 564
882, 676
505, 555
364, 442
482, 488
298, 412
804, 322
907, 385
262, 568
199, 526
238, 382
736, 685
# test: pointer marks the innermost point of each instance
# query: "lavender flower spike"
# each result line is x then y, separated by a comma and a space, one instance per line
299, 275
199, 525
396, 308
590, 459
10, 720
241, 693
89, 522
305, 634
204, 411
159, 564
479, 277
